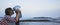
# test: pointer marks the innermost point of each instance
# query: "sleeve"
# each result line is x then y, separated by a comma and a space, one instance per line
11, 19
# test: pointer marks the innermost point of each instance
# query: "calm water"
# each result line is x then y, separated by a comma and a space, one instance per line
36, 23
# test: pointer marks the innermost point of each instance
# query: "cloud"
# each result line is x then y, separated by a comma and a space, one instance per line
31, 8
41, 8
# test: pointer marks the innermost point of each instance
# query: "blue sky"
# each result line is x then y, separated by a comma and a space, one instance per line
33, 8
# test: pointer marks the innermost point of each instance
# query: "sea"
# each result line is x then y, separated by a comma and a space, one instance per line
35, 23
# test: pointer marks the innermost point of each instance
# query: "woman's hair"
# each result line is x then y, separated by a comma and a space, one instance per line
7, 11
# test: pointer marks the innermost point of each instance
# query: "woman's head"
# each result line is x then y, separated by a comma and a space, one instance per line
9, 11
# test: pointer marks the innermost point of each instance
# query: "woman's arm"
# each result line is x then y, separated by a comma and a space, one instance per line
17, 15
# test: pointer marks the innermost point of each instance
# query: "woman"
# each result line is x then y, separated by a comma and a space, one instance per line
7, 18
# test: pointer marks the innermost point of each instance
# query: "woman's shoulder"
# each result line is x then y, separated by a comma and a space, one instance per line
7, 16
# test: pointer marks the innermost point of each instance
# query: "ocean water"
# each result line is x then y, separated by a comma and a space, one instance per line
36, 23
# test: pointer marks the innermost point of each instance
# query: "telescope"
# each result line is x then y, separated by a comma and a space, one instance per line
17, 7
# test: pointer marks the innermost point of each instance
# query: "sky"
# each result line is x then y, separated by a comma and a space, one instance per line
33, 8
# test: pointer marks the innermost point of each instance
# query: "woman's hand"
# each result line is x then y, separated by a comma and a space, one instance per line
17, 11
